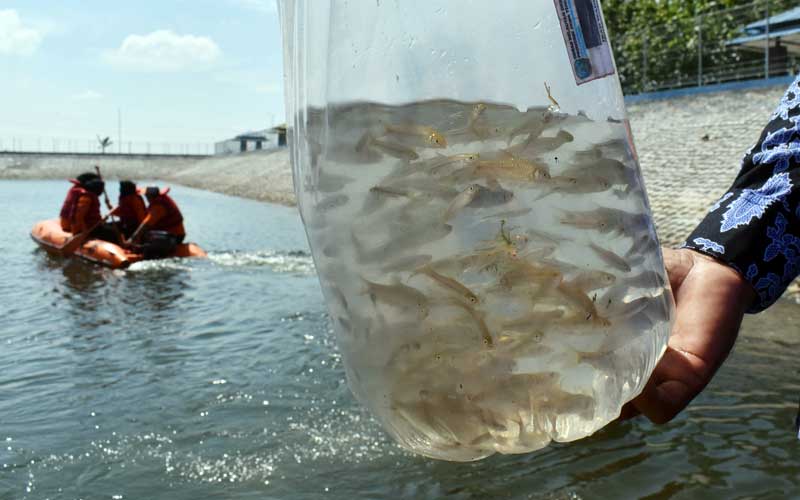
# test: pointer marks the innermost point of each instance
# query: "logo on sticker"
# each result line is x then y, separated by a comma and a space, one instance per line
583, 67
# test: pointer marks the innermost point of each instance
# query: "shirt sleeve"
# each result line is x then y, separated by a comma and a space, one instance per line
155, 214
81, 211
755, 225
139, 212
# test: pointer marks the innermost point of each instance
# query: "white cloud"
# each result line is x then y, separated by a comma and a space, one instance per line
15, 37
263, 6
164, 51
88, 95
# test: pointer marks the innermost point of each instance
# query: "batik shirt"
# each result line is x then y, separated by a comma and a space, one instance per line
755, 225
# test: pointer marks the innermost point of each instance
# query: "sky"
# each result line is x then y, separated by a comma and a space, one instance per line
176, 71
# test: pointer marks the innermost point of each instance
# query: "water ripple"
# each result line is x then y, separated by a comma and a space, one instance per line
295, 261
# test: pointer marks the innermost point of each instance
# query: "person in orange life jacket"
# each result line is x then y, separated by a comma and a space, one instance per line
162, 228
81, 208
130, 209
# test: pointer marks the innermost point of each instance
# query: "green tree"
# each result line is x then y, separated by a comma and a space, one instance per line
657, 42
104, 143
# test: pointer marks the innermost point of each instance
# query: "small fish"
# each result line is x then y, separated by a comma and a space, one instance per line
477, 127
534, 318
613, 171
433, 166
617, 147
643, 245
534, 146
533, 126
582, 184
442, 162
610, 258
420, 135
398, 295
607, 220
528, 273
379, 195
585, 304
390, 191
594, 153
389, 148
588, 281
480, 321
407, 237
426, 185
477, 121
511, 168
496, 259
491, 195
477, 196
508, 214
448, 283
539, 235
462, 200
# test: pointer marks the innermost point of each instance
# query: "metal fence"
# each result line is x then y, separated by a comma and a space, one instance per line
92, 146
714, 46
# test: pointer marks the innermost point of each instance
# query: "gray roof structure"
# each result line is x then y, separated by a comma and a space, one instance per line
785, 26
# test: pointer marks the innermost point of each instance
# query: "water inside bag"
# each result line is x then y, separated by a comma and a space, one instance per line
493, 275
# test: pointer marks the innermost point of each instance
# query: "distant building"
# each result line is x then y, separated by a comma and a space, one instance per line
252, 141
280, 132
249, 141
781, 33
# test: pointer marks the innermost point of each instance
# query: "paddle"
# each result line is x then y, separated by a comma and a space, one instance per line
71, 245
105, 195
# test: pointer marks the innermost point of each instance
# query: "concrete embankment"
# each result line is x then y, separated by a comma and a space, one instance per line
264, 175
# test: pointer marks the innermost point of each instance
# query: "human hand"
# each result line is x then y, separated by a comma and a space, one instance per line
711, 299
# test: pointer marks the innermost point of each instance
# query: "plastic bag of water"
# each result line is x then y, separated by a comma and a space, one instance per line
475, 208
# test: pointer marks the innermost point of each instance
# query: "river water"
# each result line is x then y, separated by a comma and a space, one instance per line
220, 379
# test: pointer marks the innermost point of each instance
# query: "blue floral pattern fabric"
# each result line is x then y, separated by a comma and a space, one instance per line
755, 225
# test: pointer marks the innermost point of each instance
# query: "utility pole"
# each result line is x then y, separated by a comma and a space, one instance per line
699, 24
119, 130
766, 42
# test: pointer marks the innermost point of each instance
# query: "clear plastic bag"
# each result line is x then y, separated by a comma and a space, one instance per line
477, 217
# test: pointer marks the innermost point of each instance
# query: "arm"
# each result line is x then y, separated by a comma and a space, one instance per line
79, 224
155, 213
140, 211
740, 259
755, 227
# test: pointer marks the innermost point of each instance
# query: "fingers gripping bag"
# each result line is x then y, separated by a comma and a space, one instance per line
473, 201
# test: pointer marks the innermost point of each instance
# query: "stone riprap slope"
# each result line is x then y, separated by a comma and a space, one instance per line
690, 150
265, 176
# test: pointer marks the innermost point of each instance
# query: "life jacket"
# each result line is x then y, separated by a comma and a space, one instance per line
70, 206
172, 215
129, 216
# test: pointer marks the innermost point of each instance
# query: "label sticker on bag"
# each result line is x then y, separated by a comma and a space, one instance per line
586, 40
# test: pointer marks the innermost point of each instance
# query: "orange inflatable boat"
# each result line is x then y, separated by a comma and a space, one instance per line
49, 235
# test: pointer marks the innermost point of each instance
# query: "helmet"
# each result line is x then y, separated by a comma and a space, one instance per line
95, 186
126, 188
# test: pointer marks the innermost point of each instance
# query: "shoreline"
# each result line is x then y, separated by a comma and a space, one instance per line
263, 176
